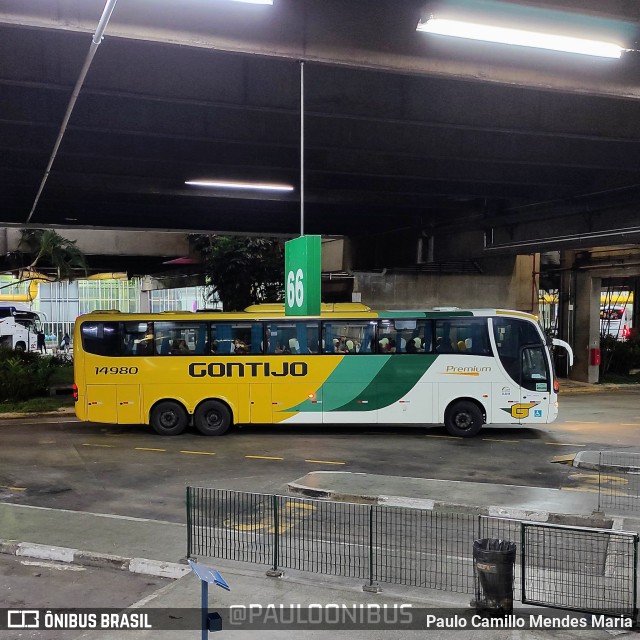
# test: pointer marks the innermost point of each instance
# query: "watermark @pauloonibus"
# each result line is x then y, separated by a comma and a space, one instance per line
331, 616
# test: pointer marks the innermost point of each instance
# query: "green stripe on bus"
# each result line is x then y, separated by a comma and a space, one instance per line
396, 378
348, 380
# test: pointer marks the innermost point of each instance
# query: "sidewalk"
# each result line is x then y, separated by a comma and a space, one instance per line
165, 541
575, 386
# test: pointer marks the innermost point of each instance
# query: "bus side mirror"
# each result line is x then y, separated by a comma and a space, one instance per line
566, 346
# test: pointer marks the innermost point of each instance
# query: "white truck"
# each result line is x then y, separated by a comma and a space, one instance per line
19, 327
616, 321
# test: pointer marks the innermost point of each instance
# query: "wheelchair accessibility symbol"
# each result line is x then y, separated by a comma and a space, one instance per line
537, 413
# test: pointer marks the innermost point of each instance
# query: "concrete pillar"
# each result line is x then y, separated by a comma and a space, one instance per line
566, 299
147, 285
586, 326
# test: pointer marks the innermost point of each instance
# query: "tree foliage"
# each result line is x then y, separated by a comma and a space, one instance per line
48, 252
24, 375
242, 271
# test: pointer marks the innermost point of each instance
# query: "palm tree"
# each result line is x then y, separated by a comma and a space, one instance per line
51, 257
51, 252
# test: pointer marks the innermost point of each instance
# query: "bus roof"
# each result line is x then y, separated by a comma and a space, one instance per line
328, 310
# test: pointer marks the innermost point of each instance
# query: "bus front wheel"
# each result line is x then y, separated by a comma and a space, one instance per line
463, 419
168, 418
212, 418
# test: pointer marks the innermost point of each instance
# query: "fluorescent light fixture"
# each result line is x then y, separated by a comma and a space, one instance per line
518, 37
237, 184
255, 1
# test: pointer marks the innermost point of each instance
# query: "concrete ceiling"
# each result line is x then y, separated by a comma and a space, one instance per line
402, 130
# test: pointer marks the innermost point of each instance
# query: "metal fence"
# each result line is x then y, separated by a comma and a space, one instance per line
565, 567
371, 542
619, 481
579, 568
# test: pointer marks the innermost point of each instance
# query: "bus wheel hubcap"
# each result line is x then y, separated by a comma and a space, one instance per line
213, 419
168, 419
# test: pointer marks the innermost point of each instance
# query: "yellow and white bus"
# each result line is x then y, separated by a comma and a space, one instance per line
463, 368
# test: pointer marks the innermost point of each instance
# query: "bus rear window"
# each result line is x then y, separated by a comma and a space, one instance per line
101, 338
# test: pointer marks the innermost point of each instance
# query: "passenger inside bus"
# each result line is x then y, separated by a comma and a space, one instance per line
240, 347
145, 346
180, 346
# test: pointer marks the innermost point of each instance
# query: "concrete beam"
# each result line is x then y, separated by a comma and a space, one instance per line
111, 243
333, 32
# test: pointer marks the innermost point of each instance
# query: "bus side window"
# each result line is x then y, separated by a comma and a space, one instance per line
346, 337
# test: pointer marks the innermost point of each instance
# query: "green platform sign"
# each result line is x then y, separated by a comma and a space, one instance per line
302, 276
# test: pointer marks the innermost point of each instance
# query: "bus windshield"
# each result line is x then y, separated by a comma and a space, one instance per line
29, 320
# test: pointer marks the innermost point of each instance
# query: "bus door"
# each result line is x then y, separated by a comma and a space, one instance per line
524, 394
535, 385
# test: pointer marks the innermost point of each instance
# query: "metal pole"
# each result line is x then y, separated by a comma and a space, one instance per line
204, 604
523, 566
276, 534
301, 147
635, 578
599, 477
370, 546
189, 523
97, 38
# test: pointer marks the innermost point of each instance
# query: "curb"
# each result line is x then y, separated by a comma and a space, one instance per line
63, 411
594, 465
595, 520
599, 387
143, 566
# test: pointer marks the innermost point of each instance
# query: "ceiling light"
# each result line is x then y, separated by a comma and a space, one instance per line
237, 184
519, 37
256, 1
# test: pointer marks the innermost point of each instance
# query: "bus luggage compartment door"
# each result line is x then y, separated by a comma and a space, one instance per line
128, 401
101, 403
348, 403
297, 403
260, 403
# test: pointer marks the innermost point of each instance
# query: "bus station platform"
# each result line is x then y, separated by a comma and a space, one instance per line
499, 500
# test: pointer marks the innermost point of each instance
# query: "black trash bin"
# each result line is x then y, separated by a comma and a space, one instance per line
493, 562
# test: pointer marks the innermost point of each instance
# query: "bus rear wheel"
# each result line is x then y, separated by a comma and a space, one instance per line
463, 419
212, 418
168, 418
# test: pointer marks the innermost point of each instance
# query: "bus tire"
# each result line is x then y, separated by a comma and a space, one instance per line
463, 419
20, 347
168, 418
212, 418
